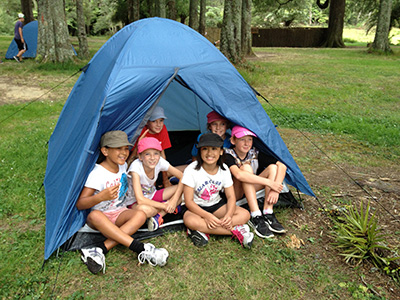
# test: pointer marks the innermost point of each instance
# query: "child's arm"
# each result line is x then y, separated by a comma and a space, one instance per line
175, 199
226, 221
248, 177
166, 182
133, 154
140, 198
87, 198
211, 220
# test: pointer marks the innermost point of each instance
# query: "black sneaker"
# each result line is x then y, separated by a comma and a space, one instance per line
198, 238
273, 223
260, 227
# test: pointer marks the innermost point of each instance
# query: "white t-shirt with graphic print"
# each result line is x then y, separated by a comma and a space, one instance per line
148, 184
206, 187
100, 178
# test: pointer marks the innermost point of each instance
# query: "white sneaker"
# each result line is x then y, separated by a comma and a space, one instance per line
243, 234
154, 256
94, 259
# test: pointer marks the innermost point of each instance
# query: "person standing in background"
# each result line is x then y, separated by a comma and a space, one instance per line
19, 38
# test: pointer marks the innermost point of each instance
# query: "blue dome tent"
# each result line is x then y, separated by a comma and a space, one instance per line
148, 63
30, 32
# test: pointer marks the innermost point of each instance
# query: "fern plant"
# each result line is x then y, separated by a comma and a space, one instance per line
358, 237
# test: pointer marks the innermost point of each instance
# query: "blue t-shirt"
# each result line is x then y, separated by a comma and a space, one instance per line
227, 143
16, 29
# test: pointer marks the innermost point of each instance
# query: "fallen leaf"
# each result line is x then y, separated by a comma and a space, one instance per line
294, 242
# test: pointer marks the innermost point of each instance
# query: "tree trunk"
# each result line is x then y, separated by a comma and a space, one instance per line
202, 23
27, 10
335, 25
246, 28
151, 7
82, 38
160, 8
194, 14
171, 11
135, 10
381, 41
53, 38
230, 32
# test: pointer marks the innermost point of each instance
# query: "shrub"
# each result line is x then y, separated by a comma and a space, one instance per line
358, 238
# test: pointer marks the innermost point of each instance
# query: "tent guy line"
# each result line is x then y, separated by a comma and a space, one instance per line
329, 158
38, 98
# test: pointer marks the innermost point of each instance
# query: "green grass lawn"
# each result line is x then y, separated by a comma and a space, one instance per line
348, 96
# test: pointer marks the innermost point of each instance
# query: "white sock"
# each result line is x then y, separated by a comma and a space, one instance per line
256, 213
268, 211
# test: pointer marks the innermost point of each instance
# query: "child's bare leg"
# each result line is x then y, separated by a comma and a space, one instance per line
114, 233
240, 215
250, 190
148, 210
271, 196
169, 192
195, 222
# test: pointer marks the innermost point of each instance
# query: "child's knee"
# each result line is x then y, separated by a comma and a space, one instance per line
147, 210
247, 168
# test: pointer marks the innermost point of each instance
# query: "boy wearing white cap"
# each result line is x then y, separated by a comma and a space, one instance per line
19, 38
249, 176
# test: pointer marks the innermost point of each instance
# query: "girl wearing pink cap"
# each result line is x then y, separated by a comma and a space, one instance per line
144, 172
215, 124
252, 171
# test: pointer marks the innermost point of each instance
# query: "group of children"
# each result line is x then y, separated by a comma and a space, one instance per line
224, 169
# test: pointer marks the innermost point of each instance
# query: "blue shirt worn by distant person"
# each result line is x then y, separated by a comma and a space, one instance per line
18, 25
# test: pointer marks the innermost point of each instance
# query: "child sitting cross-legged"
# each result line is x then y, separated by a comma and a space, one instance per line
105, 194
144, 172
253, 170
206, 211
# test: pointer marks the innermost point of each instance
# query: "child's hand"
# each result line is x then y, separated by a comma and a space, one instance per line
109, 193
226, 222
212, 221
277, 187
170, 206
272, 197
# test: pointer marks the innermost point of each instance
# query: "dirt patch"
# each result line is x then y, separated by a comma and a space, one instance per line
18, 90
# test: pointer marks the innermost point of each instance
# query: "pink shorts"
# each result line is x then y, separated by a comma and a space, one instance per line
113, 215
158, 196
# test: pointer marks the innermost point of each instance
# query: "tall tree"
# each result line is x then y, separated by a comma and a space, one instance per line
381, 41
53, 37
336, 23
82, 37
133, 10
171, 10
194, 14
230, 31
246, 28
27, 10
202, 23
160, 8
